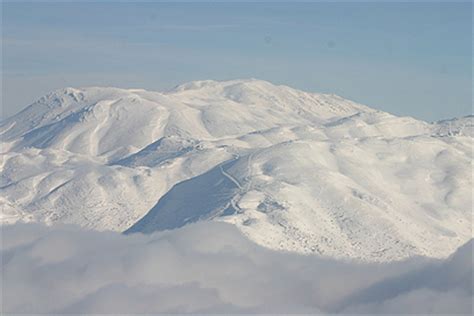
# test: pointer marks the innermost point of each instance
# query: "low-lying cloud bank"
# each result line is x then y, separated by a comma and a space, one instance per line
211, 267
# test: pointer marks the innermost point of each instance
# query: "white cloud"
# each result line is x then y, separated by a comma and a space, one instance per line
211, 267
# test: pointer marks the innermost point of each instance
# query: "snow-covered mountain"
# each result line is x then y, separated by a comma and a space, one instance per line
296, 171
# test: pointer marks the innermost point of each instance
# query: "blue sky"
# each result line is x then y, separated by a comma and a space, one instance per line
406, 58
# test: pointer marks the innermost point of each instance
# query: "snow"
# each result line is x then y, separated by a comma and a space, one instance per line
294, 171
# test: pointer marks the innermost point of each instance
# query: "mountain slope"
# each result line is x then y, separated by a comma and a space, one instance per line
371, 198
295, 171
111, 123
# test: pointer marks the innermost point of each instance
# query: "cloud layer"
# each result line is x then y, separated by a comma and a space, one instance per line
211, 267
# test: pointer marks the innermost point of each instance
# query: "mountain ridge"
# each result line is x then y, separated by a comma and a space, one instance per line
297, 171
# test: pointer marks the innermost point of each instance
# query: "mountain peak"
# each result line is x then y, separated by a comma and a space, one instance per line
292, 170
210, 84
206, 109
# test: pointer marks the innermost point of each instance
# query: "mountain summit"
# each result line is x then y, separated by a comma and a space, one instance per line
296, 171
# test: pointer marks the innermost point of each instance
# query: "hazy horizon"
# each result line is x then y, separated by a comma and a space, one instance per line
360, 51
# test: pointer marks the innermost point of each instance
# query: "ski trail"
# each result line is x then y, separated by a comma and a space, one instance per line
234, 180
249, 171
103, 116
233, 202
231, 178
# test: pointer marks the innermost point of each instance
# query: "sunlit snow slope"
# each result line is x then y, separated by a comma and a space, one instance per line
296, 171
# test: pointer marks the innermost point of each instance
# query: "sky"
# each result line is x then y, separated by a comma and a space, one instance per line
405, 58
